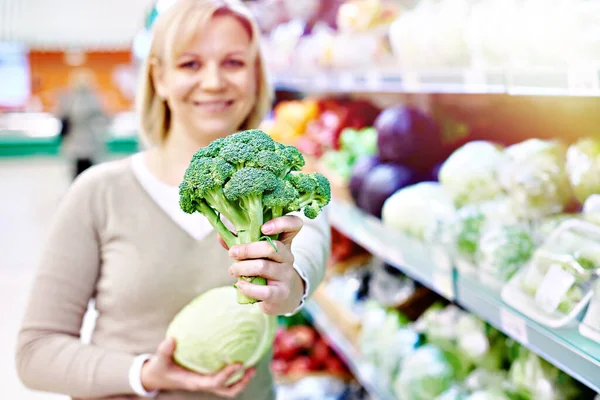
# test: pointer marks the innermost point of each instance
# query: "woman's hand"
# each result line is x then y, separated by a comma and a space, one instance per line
285, 287
161, 373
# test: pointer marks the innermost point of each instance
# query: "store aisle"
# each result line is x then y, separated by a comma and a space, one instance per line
30, 190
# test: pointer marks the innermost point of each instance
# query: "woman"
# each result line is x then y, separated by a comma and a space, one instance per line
120, 238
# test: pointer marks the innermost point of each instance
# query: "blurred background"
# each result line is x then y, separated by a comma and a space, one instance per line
354, 79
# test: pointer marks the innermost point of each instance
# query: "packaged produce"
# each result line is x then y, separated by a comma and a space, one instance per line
590, 326
535, 378
462, 235
535, 178
418, 209
470, 174
583, 167
555, 286
424, 374
503, 250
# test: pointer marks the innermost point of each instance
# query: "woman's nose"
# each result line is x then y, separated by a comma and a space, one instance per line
211, 77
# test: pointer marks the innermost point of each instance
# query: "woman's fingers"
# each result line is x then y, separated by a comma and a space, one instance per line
222, 242
267, 269
220, 378
237, 388
287, 227
264, 249
270, 293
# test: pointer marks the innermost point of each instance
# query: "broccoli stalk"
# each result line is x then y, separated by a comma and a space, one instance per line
249, 179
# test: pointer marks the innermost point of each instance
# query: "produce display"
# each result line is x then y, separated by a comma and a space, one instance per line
426, 34
448, 353
300, 351
248, 179
518, 218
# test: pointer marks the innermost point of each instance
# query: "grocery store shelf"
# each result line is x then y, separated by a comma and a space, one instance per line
363, 371
565, 348
421, 263
544, 82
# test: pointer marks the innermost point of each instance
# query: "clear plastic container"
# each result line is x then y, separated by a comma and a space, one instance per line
556, 285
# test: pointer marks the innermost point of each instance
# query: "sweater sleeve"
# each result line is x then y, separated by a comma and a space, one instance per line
50, 356
311, 249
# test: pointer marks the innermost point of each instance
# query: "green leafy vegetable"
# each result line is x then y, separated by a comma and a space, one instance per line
214, 331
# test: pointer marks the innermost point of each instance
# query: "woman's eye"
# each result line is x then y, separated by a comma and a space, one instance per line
190, 65
235, 63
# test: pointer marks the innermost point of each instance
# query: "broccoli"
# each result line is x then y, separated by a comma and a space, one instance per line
248, 179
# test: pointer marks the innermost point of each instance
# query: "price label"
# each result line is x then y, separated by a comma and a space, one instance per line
514, 326
443, 284
584, 80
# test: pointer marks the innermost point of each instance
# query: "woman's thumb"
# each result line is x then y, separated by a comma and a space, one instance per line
166, 348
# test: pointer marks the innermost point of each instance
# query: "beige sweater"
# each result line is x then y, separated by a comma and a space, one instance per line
111, 242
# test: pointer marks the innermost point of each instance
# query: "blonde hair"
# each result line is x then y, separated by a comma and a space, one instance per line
175, 26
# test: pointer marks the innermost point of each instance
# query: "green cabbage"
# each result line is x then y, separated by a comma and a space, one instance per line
505, 249
535, 178
535, 378
417, 209
214, 331
473, 220
470, 174
583, 167
424, 374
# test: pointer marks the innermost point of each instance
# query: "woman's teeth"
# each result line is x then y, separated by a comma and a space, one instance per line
213, 106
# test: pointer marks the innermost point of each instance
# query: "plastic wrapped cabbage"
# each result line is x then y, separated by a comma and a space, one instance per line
535, 378
503, 249
470, 174
464, 336
563, 269
535, 178
543, 228
424, 374
583, 168
394, 344
472, 221
214, 331
547, 270
417, 209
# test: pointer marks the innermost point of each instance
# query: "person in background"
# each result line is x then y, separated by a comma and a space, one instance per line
84, 122
121, 239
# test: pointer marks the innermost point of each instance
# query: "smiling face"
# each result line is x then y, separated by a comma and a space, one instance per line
210, 86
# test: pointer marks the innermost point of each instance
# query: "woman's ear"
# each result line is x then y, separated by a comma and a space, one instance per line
158, 78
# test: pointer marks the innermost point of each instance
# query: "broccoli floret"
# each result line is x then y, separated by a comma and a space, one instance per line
239, 155
255, 138
315, 193
212, 150
247, 186
247, 179
279, 199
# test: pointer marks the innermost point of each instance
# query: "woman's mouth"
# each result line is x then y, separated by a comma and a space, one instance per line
213, 106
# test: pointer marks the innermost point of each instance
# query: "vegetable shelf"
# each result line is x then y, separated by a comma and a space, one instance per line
564, 348
544, 82
363, 371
